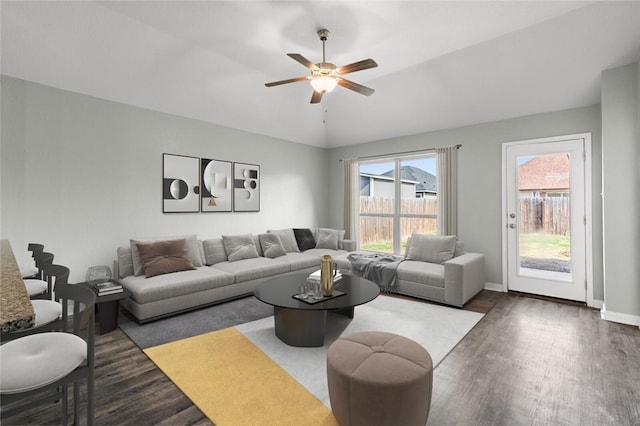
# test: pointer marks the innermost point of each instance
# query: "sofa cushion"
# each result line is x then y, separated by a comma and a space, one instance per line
341, 234
288, 239
192, 249
328, 238
239, 247
304, 238
164, 257
214, 251
431, 248
298, 261
125, 261
271, 245
162, 287
417, 271
252, 269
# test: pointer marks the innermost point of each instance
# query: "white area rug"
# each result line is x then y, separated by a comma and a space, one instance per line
437, 328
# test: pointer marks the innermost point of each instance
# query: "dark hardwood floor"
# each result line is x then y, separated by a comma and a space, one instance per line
528, 361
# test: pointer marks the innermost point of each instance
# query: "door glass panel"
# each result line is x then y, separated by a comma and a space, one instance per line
544, 219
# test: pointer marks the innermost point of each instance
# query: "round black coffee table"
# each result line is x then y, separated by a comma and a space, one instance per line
299, 323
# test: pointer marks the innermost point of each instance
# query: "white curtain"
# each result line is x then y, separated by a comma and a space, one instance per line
447, 190
351, 197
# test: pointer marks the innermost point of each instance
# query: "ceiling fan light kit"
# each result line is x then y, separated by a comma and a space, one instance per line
325, 76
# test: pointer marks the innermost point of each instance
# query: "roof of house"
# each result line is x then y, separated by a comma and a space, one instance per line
544, 172
425, 180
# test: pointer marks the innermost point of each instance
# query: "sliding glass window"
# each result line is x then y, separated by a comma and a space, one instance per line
397, 198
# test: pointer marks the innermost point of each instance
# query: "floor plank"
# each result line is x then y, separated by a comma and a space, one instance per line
528, 361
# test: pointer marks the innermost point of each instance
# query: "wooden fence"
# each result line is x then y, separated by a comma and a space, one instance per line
550, 215
376, 229
544, 214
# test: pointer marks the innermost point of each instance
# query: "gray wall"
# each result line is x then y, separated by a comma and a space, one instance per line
479, 176
83, 175
621, 193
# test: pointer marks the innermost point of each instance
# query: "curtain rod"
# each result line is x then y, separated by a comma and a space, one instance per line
400, 153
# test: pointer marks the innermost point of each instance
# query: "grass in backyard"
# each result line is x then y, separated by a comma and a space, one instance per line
545, 246
382, 246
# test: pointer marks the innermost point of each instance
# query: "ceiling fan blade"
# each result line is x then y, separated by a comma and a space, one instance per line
291, 80
304, 61
357, 66
363, 90
316, 97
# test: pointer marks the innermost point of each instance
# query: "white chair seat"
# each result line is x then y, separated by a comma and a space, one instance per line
46, 311
35, 287
28, 271
37, 360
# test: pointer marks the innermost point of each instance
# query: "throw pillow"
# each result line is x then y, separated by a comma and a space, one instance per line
304, 238
214, 251
271, 245
288, 239
193, 251
328, 238
164, 257
430, 248
239, 247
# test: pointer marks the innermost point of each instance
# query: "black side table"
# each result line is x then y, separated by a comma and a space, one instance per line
107, 307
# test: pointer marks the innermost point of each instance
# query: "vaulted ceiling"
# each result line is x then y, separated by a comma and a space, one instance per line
441, 64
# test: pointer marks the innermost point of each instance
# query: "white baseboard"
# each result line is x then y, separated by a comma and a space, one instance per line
494, 287
619, 317
598, 304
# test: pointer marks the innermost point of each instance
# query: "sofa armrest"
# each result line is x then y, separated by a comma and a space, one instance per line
463, 278
349, 245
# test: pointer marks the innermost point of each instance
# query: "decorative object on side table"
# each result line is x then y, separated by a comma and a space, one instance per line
105, 286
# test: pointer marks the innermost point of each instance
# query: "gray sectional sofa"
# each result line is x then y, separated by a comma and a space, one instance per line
230, 267
219, 273
435, 268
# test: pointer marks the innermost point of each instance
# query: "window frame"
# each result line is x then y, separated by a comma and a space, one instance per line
397, 214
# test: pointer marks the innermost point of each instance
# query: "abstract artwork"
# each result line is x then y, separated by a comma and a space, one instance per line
215, 185
180, 184
246, 187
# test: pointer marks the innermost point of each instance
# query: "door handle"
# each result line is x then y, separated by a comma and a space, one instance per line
512, 225
512, 215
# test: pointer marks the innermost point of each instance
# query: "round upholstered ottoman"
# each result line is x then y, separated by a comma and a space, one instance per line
378, 378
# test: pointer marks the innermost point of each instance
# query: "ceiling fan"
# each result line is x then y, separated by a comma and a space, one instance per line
325, 75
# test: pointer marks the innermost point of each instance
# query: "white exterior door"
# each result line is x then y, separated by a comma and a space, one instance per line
545, 217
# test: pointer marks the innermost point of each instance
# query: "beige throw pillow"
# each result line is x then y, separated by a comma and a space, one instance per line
431, 248
239, 247
271, 245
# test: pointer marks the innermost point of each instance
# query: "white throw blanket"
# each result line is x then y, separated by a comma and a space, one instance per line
376, 267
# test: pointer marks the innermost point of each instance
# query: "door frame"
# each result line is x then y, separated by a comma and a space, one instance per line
586, 137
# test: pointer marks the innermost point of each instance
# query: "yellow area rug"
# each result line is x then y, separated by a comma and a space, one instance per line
234, 383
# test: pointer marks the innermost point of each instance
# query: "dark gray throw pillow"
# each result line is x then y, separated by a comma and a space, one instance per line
304, 238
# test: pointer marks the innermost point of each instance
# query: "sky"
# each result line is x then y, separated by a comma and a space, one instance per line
427, 164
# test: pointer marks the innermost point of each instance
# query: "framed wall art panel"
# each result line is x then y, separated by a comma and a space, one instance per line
215, 185
180, 184
246, 187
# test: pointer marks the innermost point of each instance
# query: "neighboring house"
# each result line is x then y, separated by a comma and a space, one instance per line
426, 182
416, 183
544, 176
382, 186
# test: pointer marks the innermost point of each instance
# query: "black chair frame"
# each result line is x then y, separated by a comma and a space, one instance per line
83, 300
